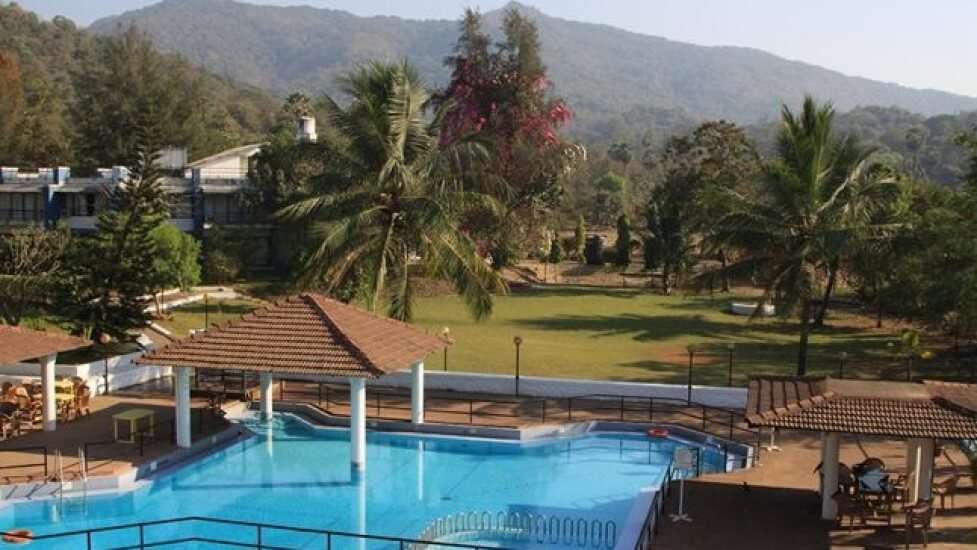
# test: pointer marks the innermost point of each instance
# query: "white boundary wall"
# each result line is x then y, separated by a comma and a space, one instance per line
122, 372
535, 386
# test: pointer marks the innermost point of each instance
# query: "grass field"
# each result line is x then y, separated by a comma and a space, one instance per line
629, 334
181, 320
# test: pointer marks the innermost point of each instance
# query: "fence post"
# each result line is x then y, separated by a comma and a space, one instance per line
471, 411
281, 389
378, 405
651, 408
142, 538
569, 409
319, 394
622, 408
260, 547
544, 411
731, 425
703, 418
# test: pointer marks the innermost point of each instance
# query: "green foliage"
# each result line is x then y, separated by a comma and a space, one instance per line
579, 238
665, 245
623, 245
109, 295
611, 198
177, 261
555, 255
81, 97
31, 260
392, 200
594, 250
809, 209
968, 140
222, 257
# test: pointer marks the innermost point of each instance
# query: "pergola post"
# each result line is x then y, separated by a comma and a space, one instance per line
829, 475
182, 390
266, 397
357, 423
417, 393
922, 485
49, 409
912, 457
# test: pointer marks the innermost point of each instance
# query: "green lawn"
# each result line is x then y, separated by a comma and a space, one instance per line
619, 334
180, 320
626, 334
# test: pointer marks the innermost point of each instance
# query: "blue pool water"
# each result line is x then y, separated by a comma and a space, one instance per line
291, 474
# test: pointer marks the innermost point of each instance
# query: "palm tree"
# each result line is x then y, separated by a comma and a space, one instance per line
387, 205
809, 207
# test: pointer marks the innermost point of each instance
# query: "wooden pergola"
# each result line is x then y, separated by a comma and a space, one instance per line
919, 413
308, 335
22, 344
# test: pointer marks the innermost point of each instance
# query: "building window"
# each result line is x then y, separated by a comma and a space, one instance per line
21, 208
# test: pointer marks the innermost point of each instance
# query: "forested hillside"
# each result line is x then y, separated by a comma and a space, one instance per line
70, 97
617, 82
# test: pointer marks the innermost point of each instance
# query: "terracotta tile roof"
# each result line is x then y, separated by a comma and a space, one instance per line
21, 344
305, 334
861, 407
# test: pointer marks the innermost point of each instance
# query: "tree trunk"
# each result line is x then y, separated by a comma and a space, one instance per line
723, 263
666, 287
805, 332
878, 310
828, 289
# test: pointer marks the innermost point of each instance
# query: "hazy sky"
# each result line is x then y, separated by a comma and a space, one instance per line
918, 43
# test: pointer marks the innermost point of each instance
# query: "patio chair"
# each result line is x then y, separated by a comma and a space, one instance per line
8, 426
919, 517
83, 401
946, 488
852, 507
867, 465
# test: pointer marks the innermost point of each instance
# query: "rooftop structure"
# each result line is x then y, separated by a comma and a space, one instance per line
920, 413
308, 335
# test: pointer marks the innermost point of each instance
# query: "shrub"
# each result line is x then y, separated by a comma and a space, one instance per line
594, 250
556, 252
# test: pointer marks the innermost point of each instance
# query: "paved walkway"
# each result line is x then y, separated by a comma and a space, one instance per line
777, 505
104, 455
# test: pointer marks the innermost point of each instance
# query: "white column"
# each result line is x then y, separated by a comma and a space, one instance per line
266, 397
182, 390
357, 423
829, 475
912, 458
417, 393
924, 470
49, 409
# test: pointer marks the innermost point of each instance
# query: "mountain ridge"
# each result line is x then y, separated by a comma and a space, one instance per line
615, 80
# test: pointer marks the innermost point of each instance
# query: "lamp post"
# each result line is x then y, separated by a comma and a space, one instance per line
104, 339
518, 342
730, 348
691, 349
446, 336
841, 364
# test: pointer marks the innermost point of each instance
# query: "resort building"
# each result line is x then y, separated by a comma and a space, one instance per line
209, 191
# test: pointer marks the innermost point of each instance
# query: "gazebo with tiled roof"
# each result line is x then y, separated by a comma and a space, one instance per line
308, 335
23, 344
920, 413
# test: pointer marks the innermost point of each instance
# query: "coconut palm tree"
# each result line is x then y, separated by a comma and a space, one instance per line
807, 209
386, 207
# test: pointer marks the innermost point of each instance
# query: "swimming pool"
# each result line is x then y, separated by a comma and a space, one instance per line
293, 474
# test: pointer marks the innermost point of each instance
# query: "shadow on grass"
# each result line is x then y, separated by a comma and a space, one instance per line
650, 328
575, 291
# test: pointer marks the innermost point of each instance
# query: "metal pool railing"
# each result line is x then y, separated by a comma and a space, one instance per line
655, 511
230, 536
522, 527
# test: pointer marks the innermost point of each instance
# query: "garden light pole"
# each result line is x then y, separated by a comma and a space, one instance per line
730, 349
688, 397
446, 336
841, 365
518, 342
104, 339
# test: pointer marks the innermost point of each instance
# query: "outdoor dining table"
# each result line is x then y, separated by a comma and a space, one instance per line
133, 416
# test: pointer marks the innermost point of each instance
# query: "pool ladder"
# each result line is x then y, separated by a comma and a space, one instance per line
520, 526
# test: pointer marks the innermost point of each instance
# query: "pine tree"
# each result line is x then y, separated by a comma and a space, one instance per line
623, 245
110, 295
556, 251
579, 238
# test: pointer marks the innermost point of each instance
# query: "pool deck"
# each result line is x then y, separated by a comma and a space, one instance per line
777, 505
110, 458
